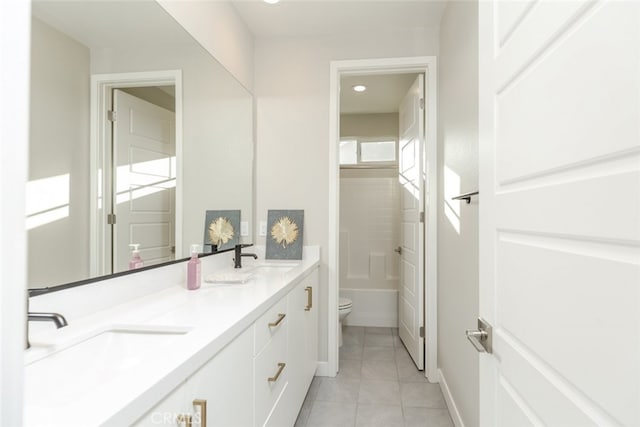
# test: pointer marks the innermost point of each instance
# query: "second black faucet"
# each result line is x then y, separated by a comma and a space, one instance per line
237, 260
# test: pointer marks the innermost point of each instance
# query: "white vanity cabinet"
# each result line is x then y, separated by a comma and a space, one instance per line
167, 411
225, 383
260, 378
271, 364
296, 344
303, 339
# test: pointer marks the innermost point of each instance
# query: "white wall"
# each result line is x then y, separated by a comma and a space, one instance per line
369, 125
218, 27
59, 147
292, 114
15, 20
457, 221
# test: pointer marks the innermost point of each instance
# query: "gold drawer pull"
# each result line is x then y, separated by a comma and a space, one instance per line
281, 317
184, 418
309, 290
277, 375
203, 411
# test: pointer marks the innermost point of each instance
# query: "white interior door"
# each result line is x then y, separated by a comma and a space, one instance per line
410, 170
560, 212
144, 180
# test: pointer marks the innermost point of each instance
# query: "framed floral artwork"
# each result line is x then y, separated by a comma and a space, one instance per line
284, 234
221, 230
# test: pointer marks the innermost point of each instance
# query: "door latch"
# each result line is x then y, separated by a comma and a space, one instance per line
481, 338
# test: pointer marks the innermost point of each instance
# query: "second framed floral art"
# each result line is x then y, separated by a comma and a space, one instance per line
284, 234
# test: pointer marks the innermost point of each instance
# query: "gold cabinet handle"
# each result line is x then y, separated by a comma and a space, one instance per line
281, 317
309, 290
202, 404
184, 418
277, 375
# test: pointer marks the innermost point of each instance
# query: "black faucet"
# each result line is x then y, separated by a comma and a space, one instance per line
56, 318
237, 260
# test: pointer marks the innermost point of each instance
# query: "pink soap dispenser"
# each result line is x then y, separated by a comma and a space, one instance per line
193, 269
135, 261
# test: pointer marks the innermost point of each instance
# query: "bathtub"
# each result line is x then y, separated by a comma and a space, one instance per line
372, 307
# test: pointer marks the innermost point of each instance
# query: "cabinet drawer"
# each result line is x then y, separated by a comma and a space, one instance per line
271, 374
281, 413
269, 325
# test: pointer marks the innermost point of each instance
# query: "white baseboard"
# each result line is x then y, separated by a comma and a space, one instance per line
451, 404
323, 370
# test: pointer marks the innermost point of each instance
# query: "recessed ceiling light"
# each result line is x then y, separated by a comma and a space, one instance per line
359, 88
271, 1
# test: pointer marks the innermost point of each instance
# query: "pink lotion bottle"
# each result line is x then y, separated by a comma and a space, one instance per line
193, 269
135, 261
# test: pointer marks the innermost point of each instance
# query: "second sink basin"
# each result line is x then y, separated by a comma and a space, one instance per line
268, 268
246, 273
74, 370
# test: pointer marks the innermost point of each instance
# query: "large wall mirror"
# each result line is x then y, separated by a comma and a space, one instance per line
180, 142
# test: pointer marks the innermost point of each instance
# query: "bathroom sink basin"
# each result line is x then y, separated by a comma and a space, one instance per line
246, 273
230, 276
270, 268
109, 353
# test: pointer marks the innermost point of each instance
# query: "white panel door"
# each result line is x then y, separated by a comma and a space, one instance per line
145, 179
560, 212
410, 170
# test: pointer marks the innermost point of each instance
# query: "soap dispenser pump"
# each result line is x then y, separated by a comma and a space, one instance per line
193, 269
135, 261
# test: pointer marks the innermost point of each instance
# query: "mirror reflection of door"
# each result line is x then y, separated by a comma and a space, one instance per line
143, 176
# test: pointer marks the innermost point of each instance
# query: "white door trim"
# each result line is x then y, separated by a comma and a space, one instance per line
101, 85
422, 64
15, 32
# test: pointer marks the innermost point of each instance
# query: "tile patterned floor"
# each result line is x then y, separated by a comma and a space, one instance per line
378, 385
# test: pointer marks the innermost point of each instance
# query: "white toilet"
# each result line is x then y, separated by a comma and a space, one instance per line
344, 308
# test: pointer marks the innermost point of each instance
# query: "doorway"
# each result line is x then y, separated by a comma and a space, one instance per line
342, 71
135, 170
380, 242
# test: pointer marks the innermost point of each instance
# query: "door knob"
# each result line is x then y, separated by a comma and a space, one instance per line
481, 338
398, 249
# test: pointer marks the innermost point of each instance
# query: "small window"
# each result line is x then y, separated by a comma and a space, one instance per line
380, 151
349, 152
357, 152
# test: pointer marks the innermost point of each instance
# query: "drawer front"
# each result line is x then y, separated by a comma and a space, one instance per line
282, 414
269, 325
271, 374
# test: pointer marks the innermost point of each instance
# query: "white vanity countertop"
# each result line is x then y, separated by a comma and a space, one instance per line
66, 387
